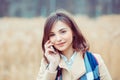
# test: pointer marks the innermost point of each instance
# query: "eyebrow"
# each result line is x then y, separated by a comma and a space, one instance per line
60, 29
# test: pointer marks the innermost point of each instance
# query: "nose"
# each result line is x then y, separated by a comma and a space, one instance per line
58, 38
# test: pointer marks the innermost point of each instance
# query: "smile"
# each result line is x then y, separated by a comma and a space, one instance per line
60, 44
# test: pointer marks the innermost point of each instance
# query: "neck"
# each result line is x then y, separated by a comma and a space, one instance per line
68, 53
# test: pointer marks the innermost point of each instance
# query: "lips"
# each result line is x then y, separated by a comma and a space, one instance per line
60, 44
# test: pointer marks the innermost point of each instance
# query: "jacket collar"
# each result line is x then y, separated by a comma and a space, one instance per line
78, 67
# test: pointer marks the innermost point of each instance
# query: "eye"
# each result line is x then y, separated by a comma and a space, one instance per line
63, 31
51, 35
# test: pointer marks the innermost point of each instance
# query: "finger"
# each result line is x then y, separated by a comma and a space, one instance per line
48, 45
50, 51
48, 42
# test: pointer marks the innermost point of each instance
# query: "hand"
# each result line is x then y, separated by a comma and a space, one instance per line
52, 56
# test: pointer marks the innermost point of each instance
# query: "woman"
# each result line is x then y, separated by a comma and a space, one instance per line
66, 52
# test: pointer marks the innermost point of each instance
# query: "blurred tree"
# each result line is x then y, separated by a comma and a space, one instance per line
4, 4
52, 5
30, 8
81, 6
116, 6
91, 7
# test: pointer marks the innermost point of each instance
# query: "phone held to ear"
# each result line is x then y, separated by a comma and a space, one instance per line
53, 49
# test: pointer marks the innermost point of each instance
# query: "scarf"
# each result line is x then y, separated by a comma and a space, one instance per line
91, 65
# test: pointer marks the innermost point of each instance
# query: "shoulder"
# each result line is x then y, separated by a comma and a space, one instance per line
98, 58
97, 55
104, 73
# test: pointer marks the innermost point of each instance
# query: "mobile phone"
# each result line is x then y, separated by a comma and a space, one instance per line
52, 47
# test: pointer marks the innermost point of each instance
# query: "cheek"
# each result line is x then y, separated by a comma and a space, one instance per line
69, 36
52, 40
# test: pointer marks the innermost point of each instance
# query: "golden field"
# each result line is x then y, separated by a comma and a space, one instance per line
20, 44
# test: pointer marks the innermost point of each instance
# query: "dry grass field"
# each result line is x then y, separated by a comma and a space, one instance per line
20, 44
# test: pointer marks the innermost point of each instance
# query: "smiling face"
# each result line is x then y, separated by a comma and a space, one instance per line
61, 29
61, 36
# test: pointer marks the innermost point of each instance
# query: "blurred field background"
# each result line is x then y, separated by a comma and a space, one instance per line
21, 29
20, 44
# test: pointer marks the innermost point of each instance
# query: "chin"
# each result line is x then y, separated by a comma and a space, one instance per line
61, 49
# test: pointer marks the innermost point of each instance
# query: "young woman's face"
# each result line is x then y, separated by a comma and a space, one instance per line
61, 36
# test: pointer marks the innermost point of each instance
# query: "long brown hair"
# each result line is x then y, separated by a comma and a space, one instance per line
79, 41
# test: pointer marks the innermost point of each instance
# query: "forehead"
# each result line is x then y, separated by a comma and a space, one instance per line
59, 25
